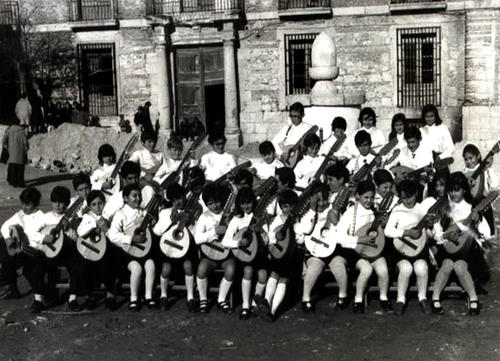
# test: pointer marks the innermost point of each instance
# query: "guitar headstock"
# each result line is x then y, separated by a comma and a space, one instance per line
388, 147
198, 140
490, 198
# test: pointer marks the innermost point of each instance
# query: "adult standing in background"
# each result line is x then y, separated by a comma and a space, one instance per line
147, 123
23, 110
16, 142
36, 114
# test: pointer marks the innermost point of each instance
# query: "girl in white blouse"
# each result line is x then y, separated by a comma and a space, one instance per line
436, 134
464, 265
100, 178
368, 121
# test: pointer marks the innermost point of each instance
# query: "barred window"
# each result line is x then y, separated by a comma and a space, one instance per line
297, 63
419, 66
97, 78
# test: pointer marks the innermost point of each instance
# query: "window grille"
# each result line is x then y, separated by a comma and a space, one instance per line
297, 63
414, 1
89, 10
303, 4
9, 12
419, 66
168, 7
97, 78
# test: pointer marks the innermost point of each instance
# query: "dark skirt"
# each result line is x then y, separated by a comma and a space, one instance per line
15, 175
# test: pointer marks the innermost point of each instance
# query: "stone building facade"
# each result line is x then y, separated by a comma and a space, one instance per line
232, 63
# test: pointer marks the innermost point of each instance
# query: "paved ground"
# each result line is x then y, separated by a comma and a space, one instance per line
178, 335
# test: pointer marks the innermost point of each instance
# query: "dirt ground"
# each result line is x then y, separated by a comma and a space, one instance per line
179, 335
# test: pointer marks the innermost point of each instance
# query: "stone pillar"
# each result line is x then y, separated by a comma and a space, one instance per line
232, 130
162, 64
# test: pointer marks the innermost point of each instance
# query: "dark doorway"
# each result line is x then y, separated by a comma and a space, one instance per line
199, 82
214, 107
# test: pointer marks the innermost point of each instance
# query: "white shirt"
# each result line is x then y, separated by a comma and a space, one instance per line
149, 162
216, 165
26, 221
459, 212
101, 174
235, 225
350, 222
306, 168
125, 221
266, 170
115, 202
48, 219
277, 221
289, 135
403, 218
170, 165
88, 223
343, 151
490, 178
83, 206
205, 227
358, 161
439, 139
164, 222
421, 157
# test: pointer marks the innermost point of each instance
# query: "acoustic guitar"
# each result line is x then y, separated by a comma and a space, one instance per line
18, 242
402, 172
93, 246
123, 157
292, 155
477, 187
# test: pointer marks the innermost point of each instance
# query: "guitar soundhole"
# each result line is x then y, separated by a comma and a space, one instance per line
96, 238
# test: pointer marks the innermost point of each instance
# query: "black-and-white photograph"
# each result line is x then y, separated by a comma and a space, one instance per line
249, 180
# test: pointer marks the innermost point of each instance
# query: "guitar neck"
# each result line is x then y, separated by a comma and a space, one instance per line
312, 130
440, 203
335, 147
223, 177
130, 144
482, 166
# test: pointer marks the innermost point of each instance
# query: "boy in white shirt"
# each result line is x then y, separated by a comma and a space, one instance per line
291, 133
339, 126
148, 158
384, 183
100, 177
363, 142
368, 121
174, 149
208, 229
217, 162
25, 218
130, 173
307, 166
266, 167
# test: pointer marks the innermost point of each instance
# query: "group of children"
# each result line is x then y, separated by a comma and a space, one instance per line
193, 224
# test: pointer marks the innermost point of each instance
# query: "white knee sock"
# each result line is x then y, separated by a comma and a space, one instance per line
278, 297
246, 289
202, 288
224, 288
271, 289
163, 287
259, 290
189, 286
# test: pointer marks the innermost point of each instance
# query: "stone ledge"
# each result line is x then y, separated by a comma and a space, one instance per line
87, 25
423, 7
303, 13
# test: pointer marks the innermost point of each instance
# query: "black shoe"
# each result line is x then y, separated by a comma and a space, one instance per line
262, 304
425, 307
341, 304
436, 307
399, 308
133, 306
191, 306
386, 305
358, 307
10, 293
307, 307
74, 306
37, 307
90, 303
164, 304
150, 303
224, 307
245, 314
204, 306
110, 303
476, 310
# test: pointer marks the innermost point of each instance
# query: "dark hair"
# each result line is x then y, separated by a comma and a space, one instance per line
244, 175
456, 181
60, 194
213, 137
413, 132
339, 123
297, 107
245, 195
399, 117
106, 150
472, 149
149, 135
128, 168
431, 108
407, 187
175, 142
320, 187
30, 195
441, 174
381, 176
287, 196
311, 140
93, 194
361, 137
338, 170
266, 147
365, 186
175, 191
129, 188
196, 178
367, 111
286, 176
212, 192
79, 179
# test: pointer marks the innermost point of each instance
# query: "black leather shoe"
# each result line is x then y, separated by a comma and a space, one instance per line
74, 306
425, 307
436, 307
341, 304
358, 307
386, 305
307, 307
37, 307
110, 303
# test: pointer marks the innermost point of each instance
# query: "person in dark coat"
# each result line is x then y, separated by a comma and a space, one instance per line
16, 142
